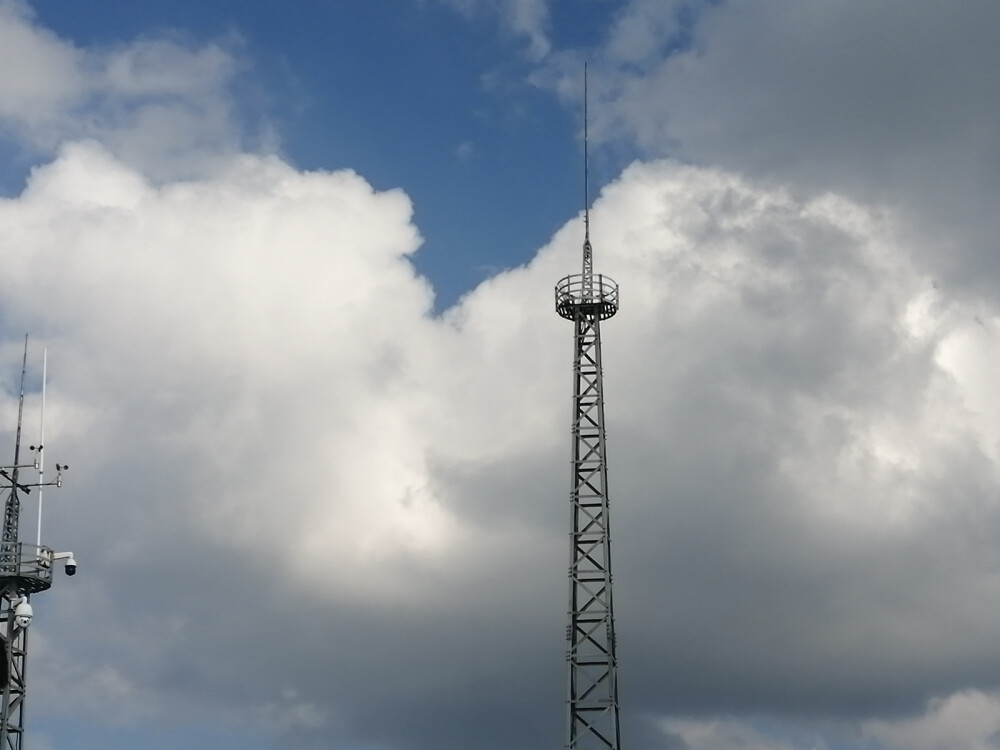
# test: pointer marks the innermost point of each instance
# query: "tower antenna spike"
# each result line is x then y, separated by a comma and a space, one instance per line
586, 161
588, 251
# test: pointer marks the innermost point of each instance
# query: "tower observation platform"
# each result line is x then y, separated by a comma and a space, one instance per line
589, 296
25, 568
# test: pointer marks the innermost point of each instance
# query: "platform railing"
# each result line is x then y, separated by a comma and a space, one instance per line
29, 564
589, 295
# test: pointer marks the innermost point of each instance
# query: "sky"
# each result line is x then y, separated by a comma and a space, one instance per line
293, 267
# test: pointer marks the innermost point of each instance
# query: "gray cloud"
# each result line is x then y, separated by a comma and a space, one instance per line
801, 485
892, 103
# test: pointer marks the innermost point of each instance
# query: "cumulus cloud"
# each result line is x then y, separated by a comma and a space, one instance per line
159, 103
889, 103
801, 462
282, 395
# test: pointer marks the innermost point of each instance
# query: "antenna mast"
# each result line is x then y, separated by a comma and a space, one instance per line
12, 508
592, 690
41, 446
25, 569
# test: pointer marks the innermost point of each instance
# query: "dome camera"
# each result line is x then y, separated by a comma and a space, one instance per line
68, 561
23, 614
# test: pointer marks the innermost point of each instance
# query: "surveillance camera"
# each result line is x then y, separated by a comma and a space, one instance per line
23, 614
70, 561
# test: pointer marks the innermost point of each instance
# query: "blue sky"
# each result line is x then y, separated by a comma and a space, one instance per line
411, 95
293, 267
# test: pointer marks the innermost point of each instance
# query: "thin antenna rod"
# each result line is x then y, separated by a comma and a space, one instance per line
20, 407
586, 161
41, 446
12, 508
588, 251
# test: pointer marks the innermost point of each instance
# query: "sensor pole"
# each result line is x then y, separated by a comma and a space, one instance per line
25, 569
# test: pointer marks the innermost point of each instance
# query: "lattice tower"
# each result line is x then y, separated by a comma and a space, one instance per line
586, 299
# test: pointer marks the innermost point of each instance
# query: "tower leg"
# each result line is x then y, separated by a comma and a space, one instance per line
592, 693
12, 672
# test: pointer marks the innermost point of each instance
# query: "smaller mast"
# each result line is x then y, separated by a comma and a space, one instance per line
41, 446
12, 508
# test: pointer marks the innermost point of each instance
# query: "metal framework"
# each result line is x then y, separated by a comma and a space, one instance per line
592, 689
25, 569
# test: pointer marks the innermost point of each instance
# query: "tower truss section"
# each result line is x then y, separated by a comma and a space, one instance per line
587, 299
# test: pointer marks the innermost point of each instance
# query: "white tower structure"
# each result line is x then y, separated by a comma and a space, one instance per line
587, 299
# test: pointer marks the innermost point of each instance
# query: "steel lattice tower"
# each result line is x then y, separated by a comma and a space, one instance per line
25, 569
592, 692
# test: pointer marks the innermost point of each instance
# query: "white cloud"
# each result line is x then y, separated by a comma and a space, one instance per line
525, 18
250, 360
229, 294
158, 103
50, 71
